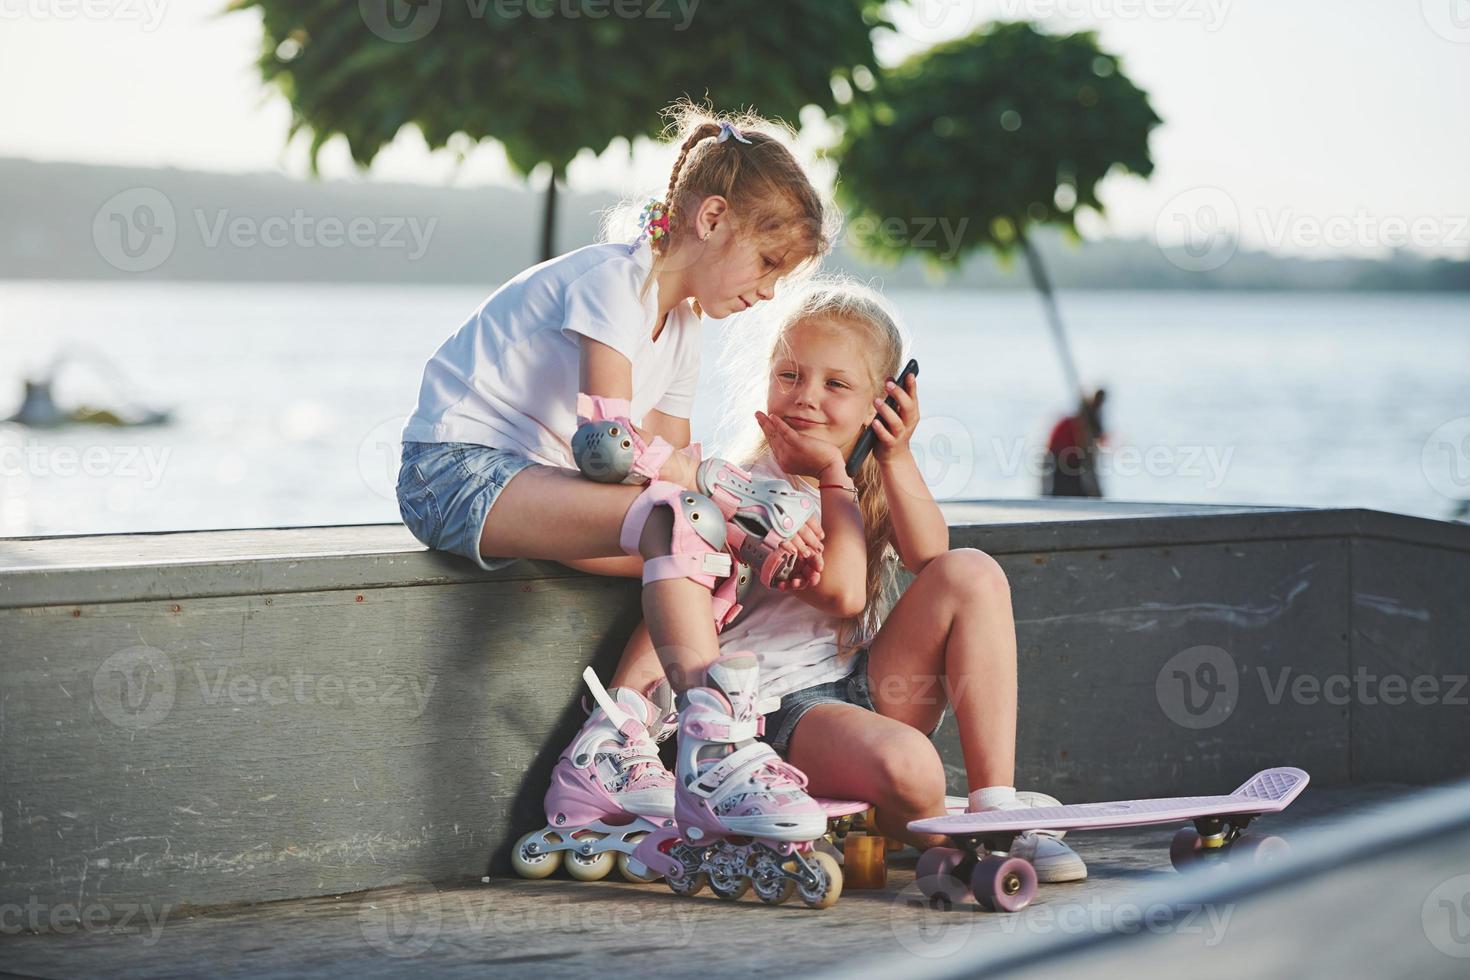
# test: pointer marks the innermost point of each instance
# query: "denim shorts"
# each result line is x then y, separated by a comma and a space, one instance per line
852, 689
445, 490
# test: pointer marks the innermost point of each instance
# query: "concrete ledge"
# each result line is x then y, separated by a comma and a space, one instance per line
214, 717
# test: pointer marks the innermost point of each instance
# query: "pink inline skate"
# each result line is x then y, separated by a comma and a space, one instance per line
743, 819
608, 791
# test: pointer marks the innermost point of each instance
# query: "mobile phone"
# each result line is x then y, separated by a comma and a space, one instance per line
869, 439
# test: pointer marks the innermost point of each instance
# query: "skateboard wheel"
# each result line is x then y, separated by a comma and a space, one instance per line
1003, 884
937, 875
1185, 848
1258, 849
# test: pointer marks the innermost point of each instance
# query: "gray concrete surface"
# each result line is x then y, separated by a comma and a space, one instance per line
513, 928
213, 717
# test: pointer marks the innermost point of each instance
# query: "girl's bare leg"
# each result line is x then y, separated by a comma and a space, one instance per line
850, 753
639, 668
952, 636
547, 512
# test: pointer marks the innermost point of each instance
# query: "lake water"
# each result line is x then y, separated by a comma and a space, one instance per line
288, 399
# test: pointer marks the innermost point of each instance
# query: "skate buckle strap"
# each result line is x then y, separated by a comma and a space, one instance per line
611, 708
731, 774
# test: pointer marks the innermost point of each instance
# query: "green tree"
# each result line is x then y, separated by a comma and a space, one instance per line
548, 78
996, 133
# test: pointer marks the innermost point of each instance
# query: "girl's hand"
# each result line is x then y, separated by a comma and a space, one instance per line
894, 427
796, 453
806, 574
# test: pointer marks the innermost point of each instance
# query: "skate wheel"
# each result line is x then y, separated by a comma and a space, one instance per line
829, 882
1258, 850
533, 865
589, 867
730, 889
1185, 849
775, 891
938, 876
629, 874
689, 884
1003, 884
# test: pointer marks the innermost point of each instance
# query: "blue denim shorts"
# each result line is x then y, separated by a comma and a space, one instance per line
445, 490
852, 689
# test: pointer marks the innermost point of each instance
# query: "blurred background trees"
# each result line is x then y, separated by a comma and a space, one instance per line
547, 79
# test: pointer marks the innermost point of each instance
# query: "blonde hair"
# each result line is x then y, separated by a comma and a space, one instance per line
768, 189
860, 309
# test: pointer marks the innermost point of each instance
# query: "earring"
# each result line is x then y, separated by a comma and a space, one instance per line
706, 237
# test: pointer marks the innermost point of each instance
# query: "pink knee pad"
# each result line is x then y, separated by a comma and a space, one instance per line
697, 549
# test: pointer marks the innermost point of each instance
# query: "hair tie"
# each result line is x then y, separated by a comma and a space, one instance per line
654, 221
727, 130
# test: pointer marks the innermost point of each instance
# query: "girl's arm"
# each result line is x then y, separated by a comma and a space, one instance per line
920, 532
606, 372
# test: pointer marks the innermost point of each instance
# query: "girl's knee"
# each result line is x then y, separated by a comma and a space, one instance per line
969, 571
910, 773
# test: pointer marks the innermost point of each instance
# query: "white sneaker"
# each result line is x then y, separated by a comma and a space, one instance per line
1053, 860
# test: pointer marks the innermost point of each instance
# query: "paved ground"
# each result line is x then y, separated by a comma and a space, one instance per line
515, 928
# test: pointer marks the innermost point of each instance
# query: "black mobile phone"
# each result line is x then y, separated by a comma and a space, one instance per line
869, 439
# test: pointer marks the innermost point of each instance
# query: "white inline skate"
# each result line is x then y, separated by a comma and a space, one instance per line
608, 791
743, 819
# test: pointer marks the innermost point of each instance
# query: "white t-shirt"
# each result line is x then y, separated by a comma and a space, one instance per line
795, 643
509, 377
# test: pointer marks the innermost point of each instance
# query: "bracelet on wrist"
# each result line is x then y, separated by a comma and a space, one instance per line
838, 486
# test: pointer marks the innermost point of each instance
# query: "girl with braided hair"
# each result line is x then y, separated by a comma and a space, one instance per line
589, 362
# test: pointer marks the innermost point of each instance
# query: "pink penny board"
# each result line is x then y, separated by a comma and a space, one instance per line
843, 808
1268, 791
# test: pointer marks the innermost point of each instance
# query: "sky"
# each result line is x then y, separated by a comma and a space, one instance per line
1317, 127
